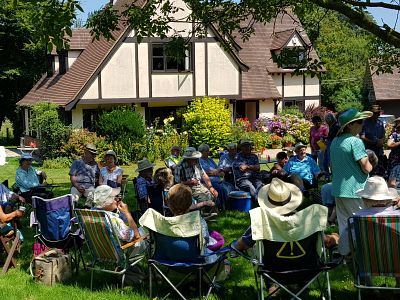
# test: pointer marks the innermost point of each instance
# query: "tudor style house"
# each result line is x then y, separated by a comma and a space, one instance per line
101, 73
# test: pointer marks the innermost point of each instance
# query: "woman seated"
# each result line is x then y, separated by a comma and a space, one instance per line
179, 200
111, 174
27, 179
104, 198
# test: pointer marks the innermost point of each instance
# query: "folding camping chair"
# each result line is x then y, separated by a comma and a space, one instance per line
176, 244
54, 220
375, 244
9, 250
290, 250
104, 245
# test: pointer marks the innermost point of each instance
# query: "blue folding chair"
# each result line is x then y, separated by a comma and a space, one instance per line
171, 249
54, 220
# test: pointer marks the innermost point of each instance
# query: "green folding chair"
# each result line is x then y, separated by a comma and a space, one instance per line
108, 255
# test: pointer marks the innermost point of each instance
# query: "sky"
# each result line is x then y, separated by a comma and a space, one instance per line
378, 13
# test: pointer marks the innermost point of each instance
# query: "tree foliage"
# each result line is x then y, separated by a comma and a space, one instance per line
52, 132
20, 66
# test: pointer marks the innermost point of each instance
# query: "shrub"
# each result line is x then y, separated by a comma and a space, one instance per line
57, 163
260, 140
75, 146
313, 110
51, 131
120, 124
208, 121
291, 110
158, 140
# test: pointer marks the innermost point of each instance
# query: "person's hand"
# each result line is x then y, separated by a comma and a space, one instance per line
137, 235
194, 182
148, 200
19, 213
44, 175
214, 192
123, 207
243, 167
21, 199
209, 203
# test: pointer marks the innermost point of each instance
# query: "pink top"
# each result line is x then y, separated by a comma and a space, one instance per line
316, 134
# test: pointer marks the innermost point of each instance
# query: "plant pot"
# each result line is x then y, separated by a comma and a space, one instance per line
274, 146
288, 144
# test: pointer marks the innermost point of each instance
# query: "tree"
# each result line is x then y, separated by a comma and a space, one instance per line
20, 66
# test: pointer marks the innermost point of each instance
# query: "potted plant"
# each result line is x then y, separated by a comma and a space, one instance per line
288, 140
276, 141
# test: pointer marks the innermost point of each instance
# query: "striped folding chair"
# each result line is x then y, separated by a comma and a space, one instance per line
108, 255
375, 246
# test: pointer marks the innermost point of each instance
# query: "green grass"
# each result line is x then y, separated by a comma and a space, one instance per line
17, 283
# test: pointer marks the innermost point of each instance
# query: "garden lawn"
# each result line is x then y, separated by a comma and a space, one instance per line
17, 283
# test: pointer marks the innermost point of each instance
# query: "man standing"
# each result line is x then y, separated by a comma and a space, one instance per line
84, 174
373, 132
247, 169
190, 173
350, 168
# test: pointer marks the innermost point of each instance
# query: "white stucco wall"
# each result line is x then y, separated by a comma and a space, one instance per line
56, 63
72, 56
93, 91
200, 69
293, 86
312, 86
223, 73
118, 76
143, 62
277, 78
172, 85
266, 108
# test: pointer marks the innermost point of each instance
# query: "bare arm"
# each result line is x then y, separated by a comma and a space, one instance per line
123, 207
100, 180
365, 165
5, 218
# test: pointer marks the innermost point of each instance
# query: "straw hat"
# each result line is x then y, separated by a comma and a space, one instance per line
104, 195
91, 148
351, 115
280, 197
376, 189
144, 164
191, 153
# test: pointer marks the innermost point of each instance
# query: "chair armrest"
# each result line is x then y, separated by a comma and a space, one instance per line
130, 244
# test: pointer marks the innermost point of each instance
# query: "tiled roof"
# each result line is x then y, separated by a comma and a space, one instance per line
65, 89
257, 83
79, 39
386, 86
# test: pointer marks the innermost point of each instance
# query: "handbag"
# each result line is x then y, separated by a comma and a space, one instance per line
51, 267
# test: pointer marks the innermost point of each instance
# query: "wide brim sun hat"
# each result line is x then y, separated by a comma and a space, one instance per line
376, 189
280, 197
191, 153
144, 164
299, 145
352, 115
104, 195
112, 153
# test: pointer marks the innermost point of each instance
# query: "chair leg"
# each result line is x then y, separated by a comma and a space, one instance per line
150, 282
10, 252
91, 279
200, 279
